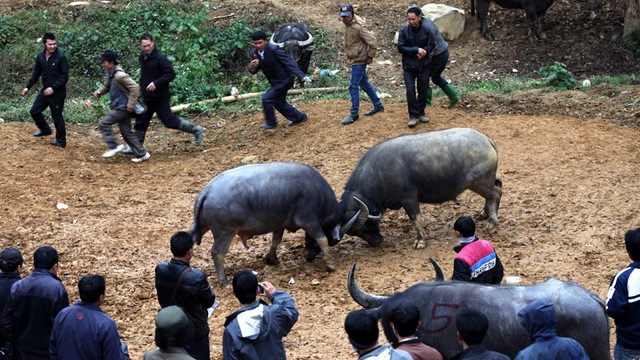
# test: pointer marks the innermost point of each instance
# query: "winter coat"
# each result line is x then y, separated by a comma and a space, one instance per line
479, 352
477, 262
171, 353
54, 72
276, 65
418, 350
125, 86
623, 306
157, 69
359, 42
385, 352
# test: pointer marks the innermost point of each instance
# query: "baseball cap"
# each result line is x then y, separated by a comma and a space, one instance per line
10, 259
346, 10
173, 327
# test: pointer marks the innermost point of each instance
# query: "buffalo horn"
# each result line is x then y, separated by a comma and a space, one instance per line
363, 214
349, 224
275, 43
436, 267
361, 297
307, 42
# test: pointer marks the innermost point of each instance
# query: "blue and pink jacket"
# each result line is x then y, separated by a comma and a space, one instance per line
477, 262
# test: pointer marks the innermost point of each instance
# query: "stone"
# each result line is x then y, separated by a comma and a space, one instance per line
449, 20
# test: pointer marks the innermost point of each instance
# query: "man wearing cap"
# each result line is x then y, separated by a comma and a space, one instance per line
84, 331
362, 328
52, 65
281, 72
172, 331
256, 330
476, 260
124, 94
11, 265
34, 303
179, 284
360, 47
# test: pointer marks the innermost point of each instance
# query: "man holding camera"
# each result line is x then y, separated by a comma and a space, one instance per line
256, 330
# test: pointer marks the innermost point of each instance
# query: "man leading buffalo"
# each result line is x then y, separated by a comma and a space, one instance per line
156, 72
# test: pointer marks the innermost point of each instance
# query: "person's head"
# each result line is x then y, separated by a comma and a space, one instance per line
539, 318
109, 60
11, 260
92, 289
50, 42
259, 39
346, 13
464, 227
182, 245
245, 286
472, 326
405, 319
414, 16
632, 243
172, 327
362, 328
46, 257
146, 43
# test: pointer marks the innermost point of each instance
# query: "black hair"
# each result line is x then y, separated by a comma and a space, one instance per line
415, 10
405, 319
145, 36
48, 36
258, 35
45, 257
632, 243
90, 287
465, 226
472, 326
181, 242
245, 284
362, 328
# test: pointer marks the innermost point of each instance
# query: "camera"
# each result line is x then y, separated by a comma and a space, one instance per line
260, 289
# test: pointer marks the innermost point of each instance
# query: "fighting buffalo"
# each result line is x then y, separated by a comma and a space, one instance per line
580, 314
534, 9
432, 168
296, 40
261, 198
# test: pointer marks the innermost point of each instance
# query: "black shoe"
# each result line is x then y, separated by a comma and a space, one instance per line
268, 126
349, 119
293, 123
40, 133
58, 143
375, 110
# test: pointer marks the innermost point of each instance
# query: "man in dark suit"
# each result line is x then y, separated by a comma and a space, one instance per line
279, 70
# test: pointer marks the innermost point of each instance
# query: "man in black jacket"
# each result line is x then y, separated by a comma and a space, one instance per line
34, 303
156, 72
178, 284
53, 66
11, 262
281, 72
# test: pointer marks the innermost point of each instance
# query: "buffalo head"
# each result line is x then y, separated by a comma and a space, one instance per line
296, 40
361, 219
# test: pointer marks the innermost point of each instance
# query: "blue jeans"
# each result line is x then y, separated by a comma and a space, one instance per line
621, 353
359, 80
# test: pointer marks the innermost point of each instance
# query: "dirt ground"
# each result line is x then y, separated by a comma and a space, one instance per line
568, 163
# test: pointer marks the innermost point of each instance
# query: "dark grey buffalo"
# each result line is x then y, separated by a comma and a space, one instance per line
261, 198
581, 315
534, 9
296, 40
431, 167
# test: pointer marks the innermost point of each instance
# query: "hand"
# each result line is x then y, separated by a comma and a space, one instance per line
268, 287
131, 110
25, 91
151, 87
306, 80
254, 64
97, 94
48, 91
369, 61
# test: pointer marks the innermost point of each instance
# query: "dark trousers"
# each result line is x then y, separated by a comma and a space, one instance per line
162, 107
29, 356
417, 104
276, 98
199, 349
438, 63
55, 103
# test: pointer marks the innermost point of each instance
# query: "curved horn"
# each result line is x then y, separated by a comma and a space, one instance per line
361, 297
349, 224
374, 217
274, 42
436, 267
363, 214
307, 42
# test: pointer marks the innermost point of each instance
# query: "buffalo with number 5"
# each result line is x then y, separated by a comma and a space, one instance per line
580, 314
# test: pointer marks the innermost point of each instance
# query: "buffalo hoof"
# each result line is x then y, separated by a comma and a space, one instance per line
491, 228
489, 36
420, 244
271, 260
311, 254
330, 267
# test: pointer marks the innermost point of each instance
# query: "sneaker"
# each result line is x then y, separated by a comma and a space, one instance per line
144, 157
58, 143
412, 122
423, 119
349, 119
375, 110
42, 133
293, 123
127, 151
112, 152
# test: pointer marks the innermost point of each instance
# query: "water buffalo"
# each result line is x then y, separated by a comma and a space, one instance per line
261, 198
296, 40
581, 315
431, 167
534, 9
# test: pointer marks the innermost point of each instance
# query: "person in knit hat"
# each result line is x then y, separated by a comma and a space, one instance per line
172, 331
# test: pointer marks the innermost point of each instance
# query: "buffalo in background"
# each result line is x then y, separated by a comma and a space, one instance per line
534, 9
296, 40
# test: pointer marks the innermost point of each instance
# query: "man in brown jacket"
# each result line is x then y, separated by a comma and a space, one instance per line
405, 321
360, 47
124, 95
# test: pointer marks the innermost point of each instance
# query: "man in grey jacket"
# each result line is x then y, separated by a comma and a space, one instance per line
256, 330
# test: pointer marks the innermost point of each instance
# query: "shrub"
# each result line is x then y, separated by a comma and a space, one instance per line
557, 76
